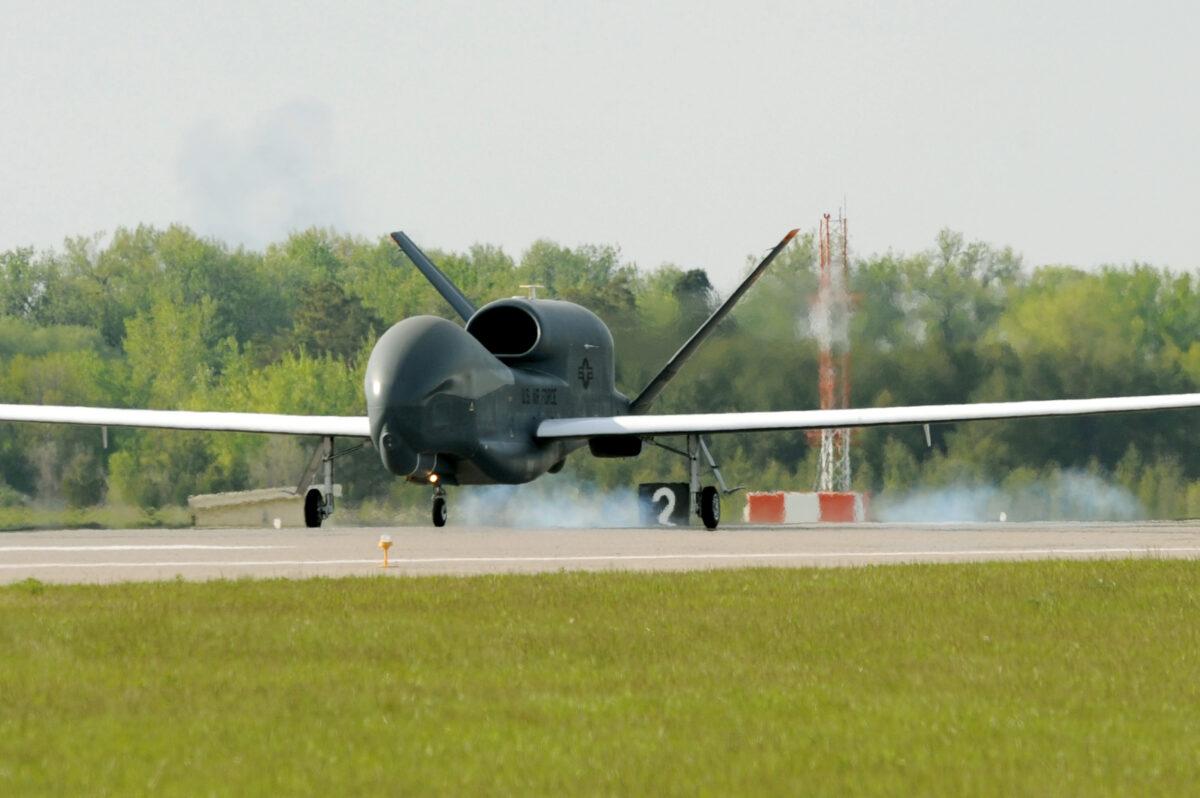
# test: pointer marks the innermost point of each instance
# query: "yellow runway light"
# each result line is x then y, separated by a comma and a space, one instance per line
385, 543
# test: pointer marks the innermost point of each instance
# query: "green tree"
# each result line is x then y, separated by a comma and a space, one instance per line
327, 321
172, 352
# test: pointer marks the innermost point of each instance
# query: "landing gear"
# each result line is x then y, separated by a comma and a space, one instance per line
314, 509
710, 507
440, 511
318, 501
706, 502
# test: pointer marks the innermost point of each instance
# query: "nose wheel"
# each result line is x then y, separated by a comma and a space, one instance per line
440, 511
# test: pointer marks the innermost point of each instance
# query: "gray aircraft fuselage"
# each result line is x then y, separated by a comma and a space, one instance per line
462, 406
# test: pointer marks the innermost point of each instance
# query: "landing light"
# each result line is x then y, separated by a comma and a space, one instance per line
433, 478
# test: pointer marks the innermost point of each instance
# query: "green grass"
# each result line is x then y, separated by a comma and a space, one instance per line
1044, 678
19, 518
109, 516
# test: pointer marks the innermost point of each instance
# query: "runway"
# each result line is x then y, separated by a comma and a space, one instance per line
96, 556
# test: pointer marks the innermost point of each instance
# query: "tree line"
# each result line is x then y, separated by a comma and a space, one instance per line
165, 318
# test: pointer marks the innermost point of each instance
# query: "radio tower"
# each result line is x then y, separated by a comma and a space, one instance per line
831, 323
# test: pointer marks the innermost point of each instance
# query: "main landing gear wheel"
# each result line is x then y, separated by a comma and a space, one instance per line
710, 507
440, 513
314, 509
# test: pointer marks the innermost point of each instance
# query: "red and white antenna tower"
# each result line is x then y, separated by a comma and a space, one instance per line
831, 324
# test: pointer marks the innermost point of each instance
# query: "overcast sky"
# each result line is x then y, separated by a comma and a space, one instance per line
690, 132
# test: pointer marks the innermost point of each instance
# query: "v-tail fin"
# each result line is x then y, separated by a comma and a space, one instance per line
656, 385
433, 274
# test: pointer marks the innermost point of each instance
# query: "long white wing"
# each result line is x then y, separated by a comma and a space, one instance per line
864, 417
341, 426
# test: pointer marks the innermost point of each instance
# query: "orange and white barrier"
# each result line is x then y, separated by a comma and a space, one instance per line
791, 507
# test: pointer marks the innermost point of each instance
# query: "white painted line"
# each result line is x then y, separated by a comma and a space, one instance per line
800, 555
135, 547
792, 555
12, 566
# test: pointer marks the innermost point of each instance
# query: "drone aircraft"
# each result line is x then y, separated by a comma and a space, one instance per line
525, 382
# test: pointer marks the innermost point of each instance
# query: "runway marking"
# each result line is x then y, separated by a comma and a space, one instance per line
137, 547
811, 555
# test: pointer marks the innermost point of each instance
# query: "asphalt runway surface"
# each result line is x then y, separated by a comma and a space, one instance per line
91, 556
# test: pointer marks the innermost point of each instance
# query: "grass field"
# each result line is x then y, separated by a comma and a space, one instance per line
1034, 678
109, 516
119, 516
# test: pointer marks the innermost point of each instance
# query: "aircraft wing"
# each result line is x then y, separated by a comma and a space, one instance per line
703, 423
340, 426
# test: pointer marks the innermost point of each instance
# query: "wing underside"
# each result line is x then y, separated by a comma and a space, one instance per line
276, 423
704, 423
644, 425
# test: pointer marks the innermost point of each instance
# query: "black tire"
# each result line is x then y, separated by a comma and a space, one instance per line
312, 508
440, 513
710, 507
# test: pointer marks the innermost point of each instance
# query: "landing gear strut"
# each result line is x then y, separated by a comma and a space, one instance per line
706, 501
440, 512
318, 502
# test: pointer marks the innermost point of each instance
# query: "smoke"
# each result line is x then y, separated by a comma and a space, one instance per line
829, 319
553, 501
1065, 496
829, 315
257, 185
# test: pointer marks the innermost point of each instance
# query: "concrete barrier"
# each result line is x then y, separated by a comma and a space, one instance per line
270, 507
795, 507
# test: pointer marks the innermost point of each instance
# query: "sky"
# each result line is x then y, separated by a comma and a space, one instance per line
694, 133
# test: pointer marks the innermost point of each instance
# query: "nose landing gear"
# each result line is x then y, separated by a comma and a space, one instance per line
440, 511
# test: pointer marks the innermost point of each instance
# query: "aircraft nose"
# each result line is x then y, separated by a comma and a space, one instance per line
412, 359
420, 375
